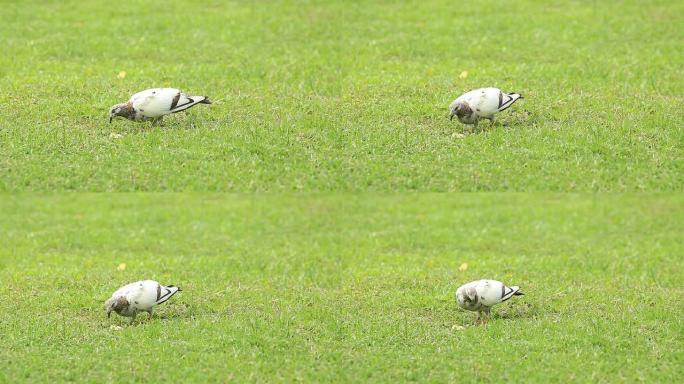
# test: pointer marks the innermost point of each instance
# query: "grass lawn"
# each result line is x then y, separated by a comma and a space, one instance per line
343, 95
343, 288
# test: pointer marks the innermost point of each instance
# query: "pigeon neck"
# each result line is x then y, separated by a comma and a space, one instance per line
463, 110
120, 304
127, 111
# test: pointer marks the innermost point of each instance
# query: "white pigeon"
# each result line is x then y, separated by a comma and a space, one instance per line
481, 103
481, 295
153, 104
140, 296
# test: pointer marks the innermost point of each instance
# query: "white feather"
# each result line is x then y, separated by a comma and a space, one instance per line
480, 295
484, 103
157, 102
143, 295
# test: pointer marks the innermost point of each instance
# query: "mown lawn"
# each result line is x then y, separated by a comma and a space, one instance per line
343, 95
343, 288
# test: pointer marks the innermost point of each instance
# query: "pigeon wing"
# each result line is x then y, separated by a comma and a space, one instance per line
143, 296
126, 289
165, 293
155, 102
181, 101
493, 292
506, 100
485, 101
490, 292
508, 292
185, 102
153, 293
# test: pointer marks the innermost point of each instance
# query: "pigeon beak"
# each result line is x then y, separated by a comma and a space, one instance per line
110, 119
451, 116
109, 313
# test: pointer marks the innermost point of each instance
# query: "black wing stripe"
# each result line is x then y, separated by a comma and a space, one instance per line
508, 294
503, 105
174, 102
165, 296
185, 106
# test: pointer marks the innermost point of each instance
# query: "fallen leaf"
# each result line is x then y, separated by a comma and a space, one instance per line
115, 135
463, 75
115, 327
121, 74
457, 135
458, 328
121, 266
463, 267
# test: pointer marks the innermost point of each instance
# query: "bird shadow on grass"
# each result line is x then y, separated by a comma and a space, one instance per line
520, 117
518, 311
185, 312
174, 312
517, 119
455, 318
514, 313
190, 122
173, 123
511, 313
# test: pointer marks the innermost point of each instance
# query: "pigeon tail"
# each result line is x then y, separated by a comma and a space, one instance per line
167, 293
511, 99
517, 291
194, 100
173, 286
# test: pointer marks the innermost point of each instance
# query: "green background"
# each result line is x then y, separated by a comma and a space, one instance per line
343, 95
340, 268
343, 288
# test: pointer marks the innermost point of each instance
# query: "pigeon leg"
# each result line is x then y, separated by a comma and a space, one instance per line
157, 121
150, 312
487, 315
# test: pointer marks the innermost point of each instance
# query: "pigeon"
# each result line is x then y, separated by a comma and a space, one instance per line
153, 104
481, 295
140, 296
481, 103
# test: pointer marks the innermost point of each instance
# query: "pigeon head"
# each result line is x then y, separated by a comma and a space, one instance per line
114, 111
467, 298
460, 110
461, 297
124, 110
116, 304
464, 301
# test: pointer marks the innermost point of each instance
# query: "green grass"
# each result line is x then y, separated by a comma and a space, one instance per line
343, 95
343, 288
338, 96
